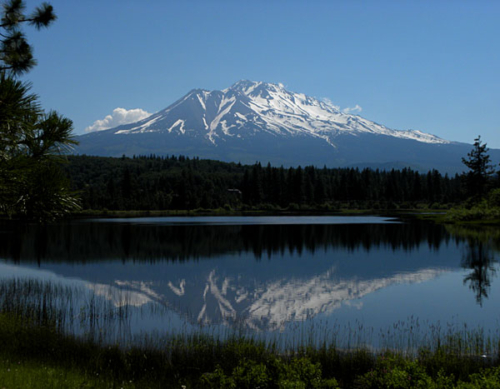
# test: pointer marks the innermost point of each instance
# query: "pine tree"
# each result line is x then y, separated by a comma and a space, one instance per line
16, 55
481, 169
32, 142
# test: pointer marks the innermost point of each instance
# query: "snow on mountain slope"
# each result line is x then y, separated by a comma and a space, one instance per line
269, 306
248, 107
257, 121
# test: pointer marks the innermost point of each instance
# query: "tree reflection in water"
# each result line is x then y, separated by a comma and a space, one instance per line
94, 241
90, 242
479, 258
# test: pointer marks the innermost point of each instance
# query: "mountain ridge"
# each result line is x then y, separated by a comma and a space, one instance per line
257, 121
270, 100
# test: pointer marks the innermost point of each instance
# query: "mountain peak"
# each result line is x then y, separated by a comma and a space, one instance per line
250, 107
248, 87
255, 120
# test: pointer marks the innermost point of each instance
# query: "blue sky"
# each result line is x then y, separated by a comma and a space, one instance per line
432, 66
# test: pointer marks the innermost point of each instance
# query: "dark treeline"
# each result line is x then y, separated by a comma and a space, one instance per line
89, 241
163, 183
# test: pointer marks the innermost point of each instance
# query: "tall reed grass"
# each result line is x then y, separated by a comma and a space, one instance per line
45, 325
106, 319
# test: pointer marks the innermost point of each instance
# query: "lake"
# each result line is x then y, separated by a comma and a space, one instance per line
359, 281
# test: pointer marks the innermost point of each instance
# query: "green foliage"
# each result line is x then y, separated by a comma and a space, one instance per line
34, 353
431, 372
475, 209
301, 372
478, 211
393, 372
479, 163
180, 183
486, 379
445, 362
494, 198
278, 373
16, 55
32, 183
247, 375
439, 370
21, 374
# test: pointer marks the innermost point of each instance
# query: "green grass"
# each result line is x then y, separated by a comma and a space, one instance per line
37, 350
478, 213
341, 208
40, 356
485, 211
39, 375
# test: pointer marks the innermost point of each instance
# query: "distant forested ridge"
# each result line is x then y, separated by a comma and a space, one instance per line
178, 182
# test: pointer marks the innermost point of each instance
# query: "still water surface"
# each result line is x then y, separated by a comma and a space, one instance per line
268, 275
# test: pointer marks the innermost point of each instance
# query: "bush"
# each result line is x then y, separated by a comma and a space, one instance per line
299, 373
494, 198
395, 372
480, 211
488, 379
248, 374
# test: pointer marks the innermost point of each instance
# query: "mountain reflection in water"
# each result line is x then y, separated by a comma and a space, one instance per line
261, 275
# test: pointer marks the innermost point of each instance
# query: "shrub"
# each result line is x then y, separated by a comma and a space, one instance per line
395, 372
487, 379
298, 373
248, 374
494, 198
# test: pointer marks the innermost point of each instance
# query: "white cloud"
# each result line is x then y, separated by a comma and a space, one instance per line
330, 103
348, 110
355, 109
118, 117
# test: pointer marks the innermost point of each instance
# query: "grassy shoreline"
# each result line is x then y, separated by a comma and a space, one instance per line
475, 215
458, 216
38, 355
38, 350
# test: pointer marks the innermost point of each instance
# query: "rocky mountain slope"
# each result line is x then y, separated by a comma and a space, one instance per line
257, 121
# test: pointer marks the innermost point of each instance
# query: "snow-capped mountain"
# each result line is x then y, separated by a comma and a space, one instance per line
257, 121
248, 107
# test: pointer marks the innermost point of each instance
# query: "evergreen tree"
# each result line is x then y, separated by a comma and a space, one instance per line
481, 169
16, 55
257, 190
32, 183
125, 183
31, 144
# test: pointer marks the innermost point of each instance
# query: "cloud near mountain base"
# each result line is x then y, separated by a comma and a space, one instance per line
118, 117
